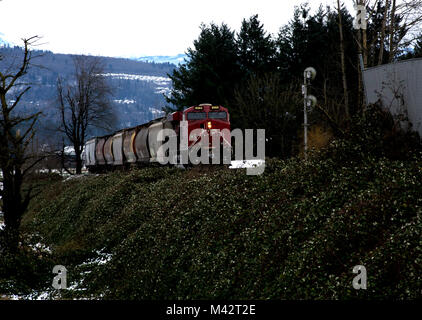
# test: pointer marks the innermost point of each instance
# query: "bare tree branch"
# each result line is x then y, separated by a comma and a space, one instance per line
83, 103
13, 145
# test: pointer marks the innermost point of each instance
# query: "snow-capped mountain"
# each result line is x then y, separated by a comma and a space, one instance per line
139, 88
4, 43
176, 60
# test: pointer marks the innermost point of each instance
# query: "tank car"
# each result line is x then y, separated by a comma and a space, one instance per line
139, 145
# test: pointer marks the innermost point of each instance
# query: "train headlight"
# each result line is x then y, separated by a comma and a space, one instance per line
209, 125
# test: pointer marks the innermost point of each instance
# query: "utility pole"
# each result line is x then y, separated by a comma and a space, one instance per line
308, 101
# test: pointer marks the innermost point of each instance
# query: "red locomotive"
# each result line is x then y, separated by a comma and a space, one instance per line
140, 144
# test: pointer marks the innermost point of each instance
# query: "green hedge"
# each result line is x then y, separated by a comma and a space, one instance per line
295, 232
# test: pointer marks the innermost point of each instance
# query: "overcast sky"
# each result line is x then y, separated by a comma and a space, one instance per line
130, 28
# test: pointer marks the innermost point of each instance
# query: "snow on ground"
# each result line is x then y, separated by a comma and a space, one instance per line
162, 83
78, 285
125, 101
40, 247
102, 258
126, 76
35, 295
239, 164
163, 90
156, 112
78, 176
49, 171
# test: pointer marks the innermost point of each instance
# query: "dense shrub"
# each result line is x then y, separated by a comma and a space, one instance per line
296, 232
376, 133
21, 273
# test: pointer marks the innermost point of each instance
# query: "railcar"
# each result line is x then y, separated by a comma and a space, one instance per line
139, 145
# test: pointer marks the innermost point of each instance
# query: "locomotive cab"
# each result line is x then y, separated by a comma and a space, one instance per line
207, 116
212, 118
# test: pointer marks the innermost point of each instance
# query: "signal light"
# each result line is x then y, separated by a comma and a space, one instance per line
209, 125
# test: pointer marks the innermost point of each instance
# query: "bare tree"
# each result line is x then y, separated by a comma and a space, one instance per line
410, 14
343, 63
383, 26
362, 33
84, 102
391, 35
16, 134
401, 21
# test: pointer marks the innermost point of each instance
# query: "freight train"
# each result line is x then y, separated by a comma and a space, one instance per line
139, 145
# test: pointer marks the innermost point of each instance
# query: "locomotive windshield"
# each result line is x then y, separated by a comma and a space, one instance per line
197, 115
217, 115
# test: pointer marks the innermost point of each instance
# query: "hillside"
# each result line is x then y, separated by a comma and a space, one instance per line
138, 87
295, 232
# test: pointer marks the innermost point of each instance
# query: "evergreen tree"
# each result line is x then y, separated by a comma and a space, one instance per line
314, 40
292, 44
257, 51
417, 51
211, 72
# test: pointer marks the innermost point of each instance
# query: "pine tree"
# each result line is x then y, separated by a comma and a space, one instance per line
417, 51
211, 72
292, 44
257, 51
313, 40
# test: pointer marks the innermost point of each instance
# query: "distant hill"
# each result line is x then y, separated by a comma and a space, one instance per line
138, 86
176, 60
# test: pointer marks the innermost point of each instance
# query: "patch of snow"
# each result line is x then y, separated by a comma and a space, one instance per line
78, 176
43, 296
240, 164
125, 101
126, 76
35, 295
156, 112
40, 247
102, 258
163, 90
76, 286
48, 171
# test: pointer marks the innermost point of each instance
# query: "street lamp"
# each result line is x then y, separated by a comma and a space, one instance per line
309, 101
